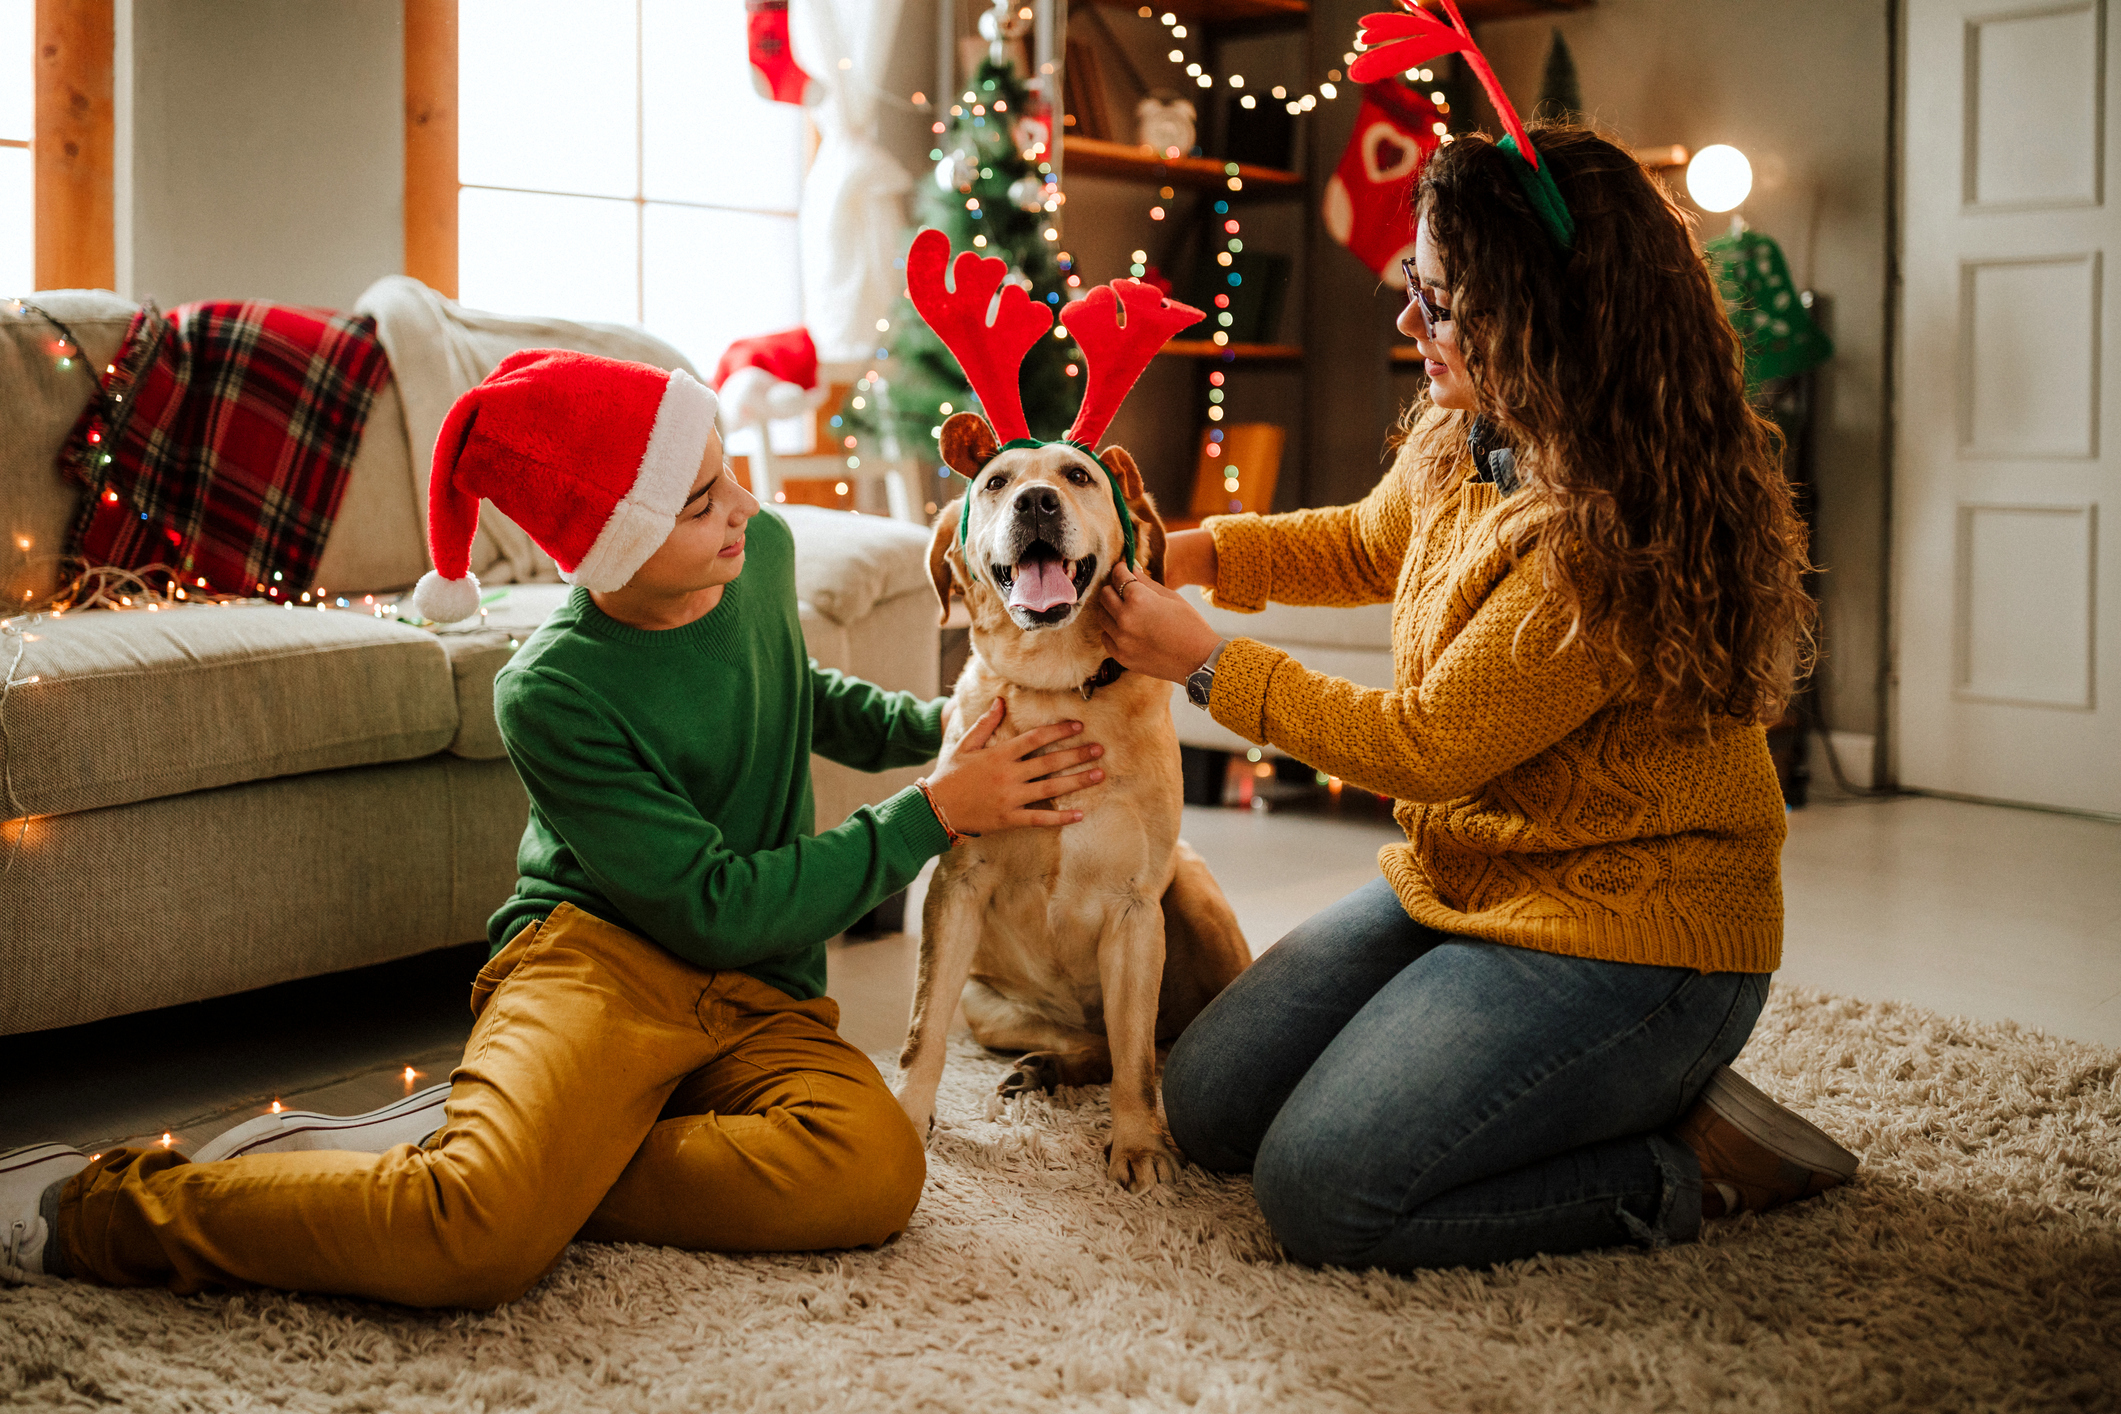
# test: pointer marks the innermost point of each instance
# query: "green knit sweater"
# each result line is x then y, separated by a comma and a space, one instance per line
669, 779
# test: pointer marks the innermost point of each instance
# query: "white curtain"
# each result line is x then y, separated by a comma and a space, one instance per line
852, 209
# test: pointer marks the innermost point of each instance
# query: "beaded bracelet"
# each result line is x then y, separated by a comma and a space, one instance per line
941, 818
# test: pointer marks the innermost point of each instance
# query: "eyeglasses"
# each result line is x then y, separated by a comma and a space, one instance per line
1432, 313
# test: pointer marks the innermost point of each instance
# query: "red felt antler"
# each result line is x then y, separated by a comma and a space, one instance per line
1119, 328
989, 351
1400, 39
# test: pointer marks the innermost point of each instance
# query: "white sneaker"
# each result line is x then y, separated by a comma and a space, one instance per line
24, 1175
408, 1121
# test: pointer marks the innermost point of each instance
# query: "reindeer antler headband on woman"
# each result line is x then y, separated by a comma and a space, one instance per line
1401, 39
989, 324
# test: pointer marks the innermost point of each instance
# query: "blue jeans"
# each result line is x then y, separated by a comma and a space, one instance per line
1406, 1098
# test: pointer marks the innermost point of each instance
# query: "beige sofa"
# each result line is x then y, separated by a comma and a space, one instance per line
202, 800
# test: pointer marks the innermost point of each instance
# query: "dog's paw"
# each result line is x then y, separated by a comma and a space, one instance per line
1139, 1166
920, 1110
1038, 1071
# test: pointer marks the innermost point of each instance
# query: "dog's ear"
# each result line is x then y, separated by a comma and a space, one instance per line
968, 443
1148, 525
939, 544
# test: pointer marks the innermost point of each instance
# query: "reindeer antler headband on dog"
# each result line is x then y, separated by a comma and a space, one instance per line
1401, 39
989, 324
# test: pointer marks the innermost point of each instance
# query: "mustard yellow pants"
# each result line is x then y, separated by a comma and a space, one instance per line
609, 1092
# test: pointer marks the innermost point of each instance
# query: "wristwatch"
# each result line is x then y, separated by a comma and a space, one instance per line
1200, 684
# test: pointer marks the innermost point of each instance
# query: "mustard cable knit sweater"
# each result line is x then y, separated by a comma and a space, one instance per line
1542, 806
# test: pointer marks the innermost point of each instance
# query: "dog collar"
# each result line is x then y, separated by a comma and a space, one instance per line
1108, 672
1119, 502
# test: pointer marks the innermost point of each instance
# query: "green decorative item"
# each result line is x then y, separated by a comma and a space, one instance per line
1560, 95
1773, 325
982, 187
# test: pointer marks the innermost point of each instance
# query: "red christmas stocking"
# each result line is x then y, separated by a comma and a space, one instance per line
773, 70
1368, 200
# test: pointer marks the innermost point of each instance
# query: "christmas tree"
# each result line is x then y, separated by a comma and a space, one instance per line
1560, 95
990, 196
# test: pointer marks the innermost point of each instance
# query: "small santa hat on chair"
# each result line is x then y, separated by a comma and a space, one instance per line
593, 457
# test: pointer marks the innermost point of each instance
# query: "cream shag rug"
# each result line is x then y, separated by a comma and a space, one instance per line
1975, 1263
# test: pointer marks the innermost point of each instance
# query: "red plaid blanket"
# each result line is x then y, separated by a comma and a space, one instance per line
220, 442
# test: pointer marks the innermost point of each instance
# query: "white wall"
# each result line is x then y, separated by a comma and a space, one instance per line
1800, 87
260, 149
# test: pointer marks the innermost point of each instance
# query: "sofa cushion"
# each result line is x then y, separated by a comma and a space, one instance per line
847, 564
167, 901
474, 660
1290, 625
42, 403
110, 708
376, 540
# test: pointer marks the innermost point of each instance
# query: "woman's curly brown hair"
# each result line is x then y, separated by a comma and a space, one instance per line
1653, 499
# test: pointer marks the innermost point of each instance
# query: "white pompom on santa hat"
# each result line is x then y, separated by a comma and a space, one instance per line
592, 457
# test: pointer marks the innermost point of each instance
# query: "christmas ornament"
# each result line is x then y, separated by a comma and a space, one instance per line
773, 69
1005, 22
1033, 134
957, 171
1029, 194
1368, 202
1773, 325
1399, 40
1165, 122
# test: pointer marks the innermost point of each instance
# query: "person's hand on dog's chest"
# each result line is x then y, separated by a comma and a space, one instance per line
1151, 629
983, 783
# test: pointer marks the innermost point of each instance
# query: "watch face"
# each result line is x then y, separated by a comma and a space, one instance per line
1198, 686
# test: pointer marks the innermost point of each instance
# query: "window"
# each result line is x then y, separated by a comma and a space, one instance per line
18, 37
616, 164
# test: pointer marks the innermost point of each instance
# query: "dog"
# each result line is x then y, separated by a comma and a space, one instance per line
1086, 950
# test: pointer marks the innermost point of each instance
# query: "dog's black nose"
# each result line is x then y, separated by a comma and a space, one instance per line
1039, 501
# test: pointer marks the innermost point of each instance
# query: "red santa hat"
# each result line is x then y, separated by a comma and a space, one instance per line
593, 457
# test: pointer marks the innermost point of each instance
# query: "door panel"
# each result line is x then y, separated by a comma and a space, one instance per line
2007, 624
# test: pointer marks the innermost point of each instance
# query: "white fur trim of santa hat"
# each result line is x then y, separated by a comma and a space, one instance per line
645, 515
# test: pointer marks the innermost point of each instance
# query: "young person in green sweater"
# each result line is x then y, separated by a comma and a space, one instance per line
654, 1058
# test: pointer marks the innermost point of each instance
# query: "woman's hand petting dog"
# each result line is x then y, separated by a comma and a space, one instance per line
985, 785
1153, 630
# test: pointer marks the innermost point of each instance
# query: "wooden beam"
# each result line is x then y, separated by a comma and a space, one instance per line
71, 151
431, 143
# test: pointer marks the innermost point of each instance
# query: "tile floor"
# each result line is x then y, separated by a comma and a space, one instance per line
1979, 910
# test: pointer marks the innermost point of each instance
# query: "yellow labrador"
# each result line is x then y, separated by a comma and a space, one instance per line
1087, 948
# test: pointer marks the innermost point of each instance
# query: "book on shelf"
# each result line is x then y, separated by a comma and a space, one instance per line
1256, 295
1250, 456
1085, 92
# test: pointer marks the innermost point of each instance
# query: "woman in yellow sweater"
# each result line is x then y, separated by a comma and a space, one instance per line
1516, 1041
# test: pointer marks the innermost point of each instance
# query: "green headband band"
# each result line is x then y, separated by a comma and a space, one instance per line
1545, 196
1126, 519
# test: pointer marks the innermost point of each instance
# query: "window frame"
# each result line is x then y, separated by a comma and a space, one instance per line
72, 146
434, 183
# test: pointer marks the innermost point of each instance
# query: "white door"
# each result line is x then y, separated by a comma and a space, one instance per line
2007, 578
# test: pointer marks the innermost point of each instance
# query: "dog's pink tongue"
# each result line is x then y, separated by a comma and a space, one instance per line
1040, 585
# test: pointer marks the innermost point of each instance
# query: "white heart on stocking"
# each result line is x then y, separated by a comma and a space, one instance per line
1388, 153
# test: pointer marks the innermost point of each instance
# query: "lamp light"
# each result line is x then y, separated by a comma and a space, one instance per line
1719, 178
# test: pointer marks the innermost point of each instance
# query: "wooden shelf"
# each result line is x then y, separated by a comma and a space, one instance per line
1208, 348
1095, 157
1223, 11
1481, 11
